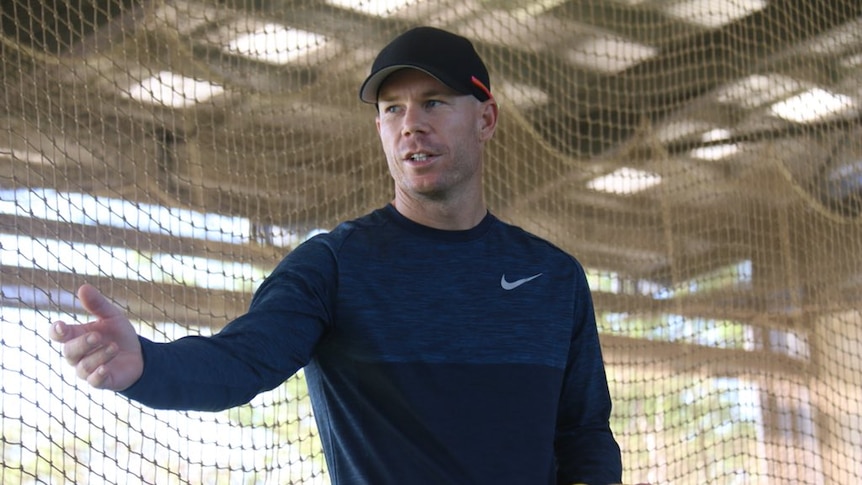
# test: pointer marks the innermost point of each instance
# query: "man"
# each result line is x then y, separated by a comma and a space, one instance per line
441, 345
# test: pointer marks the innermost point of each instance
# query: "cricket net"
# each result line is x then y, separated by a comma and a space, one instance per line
701, 158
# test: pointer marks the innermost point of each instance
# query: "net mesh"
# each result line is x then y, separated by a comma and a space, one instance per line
700, 158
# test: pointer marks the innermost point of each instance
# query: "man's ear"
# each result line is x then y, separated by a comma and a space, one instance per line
488, 119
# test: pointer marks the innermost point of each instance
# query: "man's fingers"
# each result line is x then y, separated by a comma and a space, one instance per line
58, 332
63, 332
98, 378
105, 351
78, 348
92, 366
97, 304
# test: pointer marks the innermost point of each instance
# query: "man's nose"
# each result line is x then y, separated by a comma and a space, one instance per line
415, 120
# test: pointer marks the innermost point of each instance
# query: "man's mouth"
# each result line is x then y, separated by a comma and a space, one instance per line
418, 157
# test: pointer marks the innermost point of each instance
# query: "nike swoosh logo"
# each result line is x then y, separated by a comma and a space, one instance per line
511, 285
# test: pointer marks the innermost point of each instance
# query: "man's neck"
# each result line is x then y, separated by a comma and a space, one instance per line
449, 215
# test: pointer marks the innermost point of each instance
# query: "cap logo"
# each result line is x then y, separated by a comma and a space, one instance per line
479, 84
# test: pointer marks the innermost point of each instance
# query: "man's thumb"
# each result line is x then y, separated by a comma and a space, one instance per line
96, 303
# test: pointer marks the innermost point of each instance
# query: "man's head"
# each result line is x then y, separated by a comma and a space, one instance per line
448, 57
435, 114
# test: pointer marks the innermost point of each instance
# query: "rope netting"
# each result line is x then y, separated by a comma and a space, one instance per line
701, 158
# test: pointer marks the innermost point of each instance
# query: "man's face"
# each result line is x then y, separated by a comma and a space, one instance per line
432, 136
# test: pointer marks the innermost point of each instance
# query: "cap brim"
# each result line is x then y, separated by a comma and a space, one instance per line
371, 86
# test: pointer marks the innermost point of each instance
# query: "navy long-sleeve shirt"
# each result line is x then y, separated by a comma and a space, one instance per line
438, 357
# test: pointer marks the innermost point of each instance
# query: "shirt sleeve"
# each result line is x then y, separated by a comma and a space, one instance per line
254, 353
585, 446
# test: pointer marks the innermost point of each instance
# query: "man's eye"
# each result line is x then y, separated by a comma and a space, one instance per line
433, 102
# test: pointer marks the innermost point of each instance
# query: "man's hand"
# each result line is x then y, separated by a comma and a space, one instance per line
106, 351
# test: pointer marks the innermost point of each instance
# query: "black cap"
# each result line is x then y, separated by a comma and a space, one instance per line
448, 57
